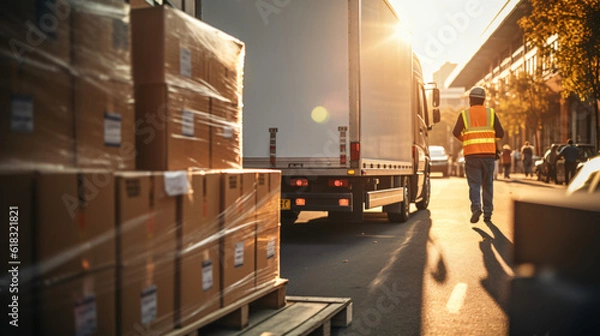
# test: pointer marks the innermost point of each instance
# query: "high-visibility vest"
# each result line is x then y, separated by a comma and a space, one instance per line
479, 136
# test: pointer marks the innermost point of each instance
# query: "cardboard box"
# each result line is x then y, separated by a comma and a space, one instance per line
239, 222
200, 292
268, 195
146, 216
37, 29
226, 136
147, 223
238, 264
65, 233
146, 296
77, 207
101, 39
81, 306
268, 243
36, 127
167, 48
225, 75
172, 128
104, 120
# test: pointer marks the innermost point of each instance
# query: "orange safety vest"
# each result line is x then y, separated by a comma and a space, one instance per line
479, 136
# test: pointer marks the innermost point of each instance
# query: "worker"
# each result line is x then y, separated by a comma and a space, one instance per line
570, 153
478, 128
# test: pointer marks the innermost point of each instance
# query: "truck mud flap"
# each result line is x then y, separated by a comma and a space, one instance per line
317, 201
384, 197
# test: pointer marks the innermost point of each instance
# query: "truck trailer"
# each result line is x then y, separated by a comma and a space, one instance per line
334, 97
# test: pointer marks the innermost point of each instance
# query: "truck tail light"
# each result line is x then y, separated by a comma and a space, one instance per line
354, 151
344, 202
300, 202
338, 182
299, 182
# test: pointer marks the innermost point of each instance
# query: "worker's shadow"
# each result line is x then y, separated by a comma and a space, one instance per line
497, 255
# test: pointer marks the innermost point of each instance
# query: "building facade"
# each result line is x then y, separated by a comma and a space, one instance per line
505, 53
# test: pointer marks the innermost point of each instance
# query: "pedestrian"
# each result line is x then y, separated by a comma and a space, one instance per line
570, 153
506, 158
552, 158
478, 128
527, 155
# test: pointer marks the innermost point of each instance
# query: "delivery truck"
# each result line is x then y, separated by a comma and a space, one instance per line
334, 97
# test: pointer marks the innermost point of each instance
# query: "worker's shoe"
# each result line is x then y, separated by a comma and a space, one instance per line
475, 216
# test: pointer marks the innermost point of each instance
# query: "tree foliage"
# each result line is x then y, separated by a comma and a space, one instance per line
576, 23
523, 102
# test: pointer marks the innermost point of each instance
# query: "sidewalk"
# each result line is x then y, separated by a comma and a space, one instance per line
520, 178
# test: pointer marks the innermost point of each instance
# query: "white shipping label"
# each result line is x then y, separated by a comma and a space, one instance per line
86, 316
185, 62
228, 132
187, 123
21, 114
238, 259
149, 304
271, 247
207, 275
112, 129
177, 183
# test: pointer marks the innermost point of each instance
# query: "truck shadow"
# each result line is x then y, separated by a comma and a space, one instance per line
380, 265
497, 257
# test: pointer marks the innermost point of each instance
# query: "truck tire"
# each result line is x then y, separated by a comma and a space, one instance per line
424, 202
402, 216
289, 217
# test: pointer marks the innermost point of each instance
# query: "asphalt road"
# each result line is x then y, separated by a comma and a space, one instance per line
436, 274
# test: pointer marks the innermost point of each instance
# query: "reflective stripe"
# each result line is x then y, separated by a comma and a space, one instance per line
466, 121
479, 130
491, 117
478, 141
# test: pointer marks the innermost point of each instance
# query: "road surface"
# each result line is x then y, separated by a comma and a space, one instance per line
436, 274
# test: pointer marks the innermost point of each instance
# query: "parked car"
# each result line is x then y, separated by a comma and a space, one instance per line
587, 179
458, 165
439, 160
543, 166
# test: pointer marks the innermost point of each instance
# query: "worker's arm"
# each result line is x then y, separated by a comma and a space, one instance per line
498, 128
458, 127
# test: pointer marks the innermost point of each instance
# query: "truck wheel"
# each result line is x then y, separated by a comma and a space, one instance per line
289, 217
424, 203
402, 216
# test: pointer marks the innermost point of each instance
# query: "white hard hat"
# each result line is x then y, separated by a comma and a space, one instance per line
477, 92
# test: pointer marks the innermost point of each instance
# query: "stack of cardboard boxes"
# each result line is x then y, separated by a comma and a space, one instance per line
121, 150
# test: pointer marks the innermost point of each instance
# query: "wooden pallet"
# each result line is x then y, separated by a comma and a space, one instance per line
314, 316
236, 315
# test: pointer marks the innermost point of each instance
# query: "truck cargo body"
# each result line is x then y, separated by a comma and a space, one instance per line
334, 98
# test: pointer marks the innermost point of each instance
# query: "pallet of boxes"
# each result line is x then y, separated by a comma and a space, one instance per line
120, 171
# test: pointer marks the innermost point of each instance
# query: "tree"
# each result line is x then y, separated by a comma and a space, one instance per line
523, 102
576, 56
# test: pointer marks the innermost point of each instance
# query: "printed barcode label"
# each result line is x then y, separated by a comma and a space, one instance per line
112, 129
185, 62
187, 123
207, 275
238, 259
271, 247
21, 114
149, 304
86, 317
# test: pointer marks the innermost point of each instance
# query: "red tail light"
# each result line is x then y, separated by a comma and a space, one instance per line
354, 151
338, 182
299, 182
344, 202
300, 202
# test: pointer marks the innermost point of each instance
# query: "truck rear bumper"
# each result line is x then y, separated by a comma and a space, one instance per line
298, 201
